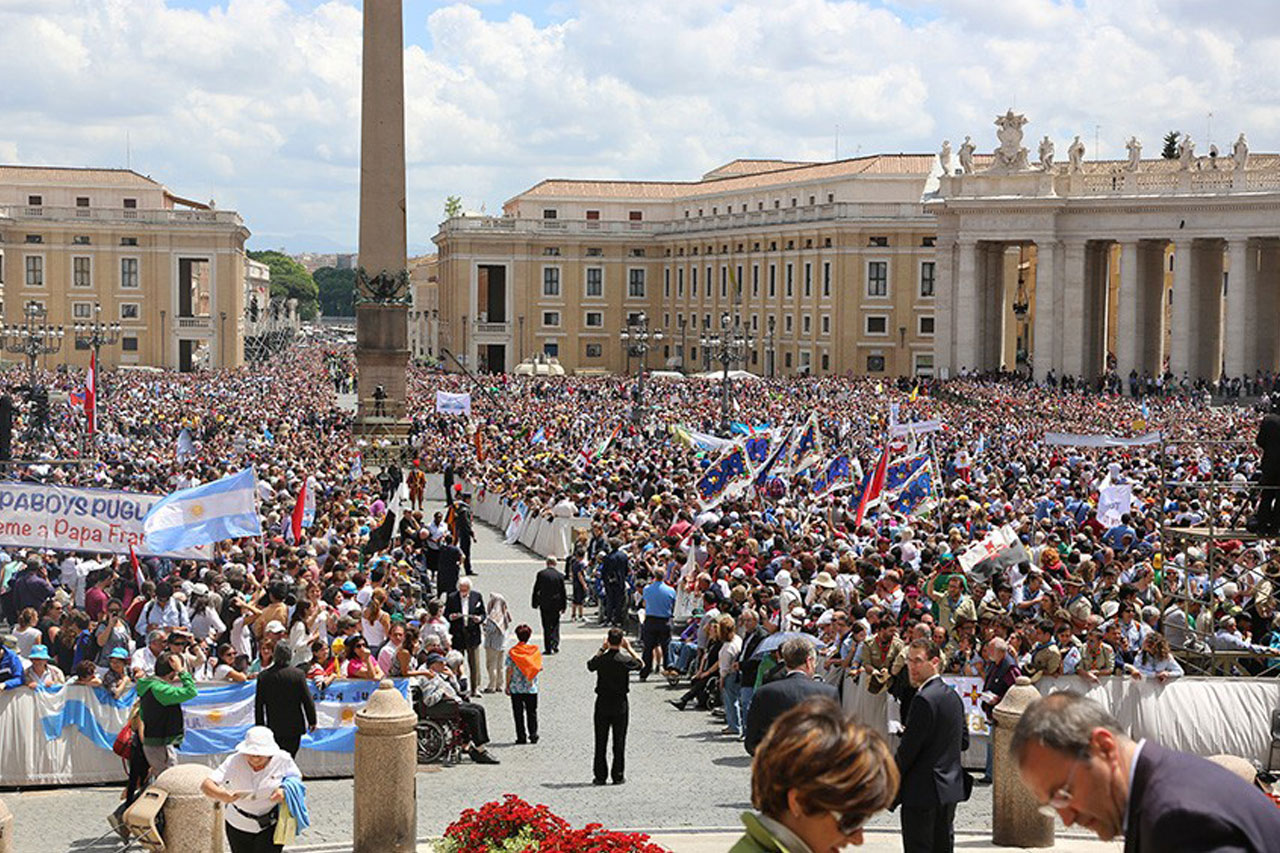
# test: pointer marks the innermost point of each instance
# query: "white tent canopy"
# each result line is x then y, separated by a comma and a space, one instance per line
733, 375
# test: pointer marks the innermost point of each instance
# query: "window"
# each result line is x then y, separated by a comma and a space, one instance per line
548, 214
82, 201
806, 324
877, 278
551, 318
787, 324
773, 280
593, 215
928, 242
826, 324
551, 348
80, 240
637, 253
880, 242
81, 271
786, 360
128, 241
35, 270
595, 282
724, 282
831, 197
813, 199
808, 280
551, 281
925, 325
35, 238
826, 362
693, 282
755, 280
635, 215
82, 310
595, 252
927, 269
680, 283
826, 278
595, 319
877, 324
791, 286
924, 364
35, 201
875, 364
128, 272
130, 204
806, 361
595, 350
633, 318
666, 283
552, 251
635, 284
130, 310
129, 344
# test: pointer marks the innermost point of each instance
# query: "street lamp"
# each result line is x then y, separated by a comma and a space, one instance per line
96, 334
33, 338
637, 339
730, 345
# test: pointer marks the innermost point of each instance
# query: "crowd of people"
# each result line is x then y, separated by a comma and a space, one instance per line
1092, 597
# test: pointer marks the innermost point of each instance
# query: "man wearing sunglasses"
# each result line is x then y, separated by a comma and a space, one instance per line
1077, 763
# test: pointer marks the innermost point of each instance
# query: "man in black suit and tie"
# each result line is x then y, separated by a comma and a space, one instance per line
613, 666
464, 609
549, 599
1074, 758
777, 697
613, 574
282, 701
929, 756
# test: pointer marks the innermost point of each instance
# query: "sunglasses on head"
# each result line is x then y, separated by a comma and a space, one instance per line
850, 823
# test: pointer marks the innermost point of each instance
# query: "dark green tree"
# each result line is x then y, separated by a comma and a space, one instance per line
290, 280
1170, 149
452, 206
337, 291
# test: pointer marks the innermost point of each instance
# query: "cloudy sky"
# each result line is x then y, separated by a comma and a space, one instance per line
255, 103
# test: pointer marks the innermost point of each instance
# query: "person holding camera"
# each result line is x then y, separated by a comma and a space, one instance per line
613, 665
160, 700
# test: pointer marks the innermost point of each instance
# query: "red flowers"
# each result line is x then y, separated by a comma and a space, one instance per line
514, 826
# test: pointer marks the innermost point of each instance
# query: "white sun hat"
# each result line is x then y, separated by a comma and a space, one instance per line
258, 741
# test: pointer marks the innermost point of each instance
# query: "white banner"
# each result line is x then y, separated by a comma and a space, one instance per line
915, 428
69, 519
1114, 502
1069, 439
453, 404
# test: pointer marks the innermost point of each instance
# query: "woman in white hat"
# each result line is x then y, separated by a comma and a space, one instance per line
249, 782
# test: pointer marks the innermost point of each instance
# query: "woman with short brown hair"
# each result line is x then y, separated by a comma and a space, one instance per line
817, 777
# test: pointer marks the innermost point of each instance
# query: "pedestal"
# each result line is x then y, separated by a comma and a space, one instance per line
6, 829
386, 761
192, 821
1015, 815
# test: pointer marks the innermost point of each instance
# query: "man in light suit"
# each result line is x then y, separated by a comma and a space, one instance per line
1074, 759
929, 756
465, 611
777, 697
550, 601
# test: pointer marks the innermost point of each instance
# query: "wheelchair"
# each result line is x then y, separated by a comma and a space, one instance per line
439, 732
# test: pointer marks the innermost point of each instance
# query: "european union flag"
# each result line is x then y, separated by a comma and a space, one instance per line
902, 469
728, 475
838, 472
914, 493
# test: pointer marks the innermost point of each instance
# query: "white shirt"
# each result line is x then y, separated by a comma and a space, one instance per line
235, 774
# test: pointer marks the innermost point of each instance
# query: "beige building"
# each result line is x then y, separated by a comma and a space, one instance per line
424, 313
170, 270
829, 265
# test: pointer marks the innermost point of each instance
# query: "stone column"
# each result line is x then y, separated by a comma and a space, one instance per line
386, 792
1128, 338
1151, 311
944, 310
1180, 323
382, 279
1238, 345
1207, 268
1074, 308
1015, 815
1046, 327
1260, 323
192, 821
966, 306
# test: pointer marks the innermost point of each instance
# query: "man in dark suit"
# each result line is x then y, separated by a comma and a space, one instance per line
549, 599
282, 701
777, 697
613, 574
929, 756
448, 562
1074, 758
464, 610
464, 527
613, 666
1267, 519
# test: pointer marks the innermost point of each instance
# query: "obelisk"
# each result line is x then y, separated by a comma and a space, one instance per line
382, 278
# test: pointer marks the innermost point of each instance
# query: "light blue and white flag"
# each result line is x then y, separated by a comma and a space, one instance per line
186, 447
539, 437
357, 467
223, 509
453, 404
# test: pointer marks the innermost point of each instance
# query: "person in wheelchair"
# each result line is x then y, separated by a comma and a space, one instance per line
440, 690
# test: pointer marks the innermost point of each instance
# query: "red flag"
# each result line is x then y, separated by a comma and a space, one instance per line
875, 487
138, 577
91, 394
299, 509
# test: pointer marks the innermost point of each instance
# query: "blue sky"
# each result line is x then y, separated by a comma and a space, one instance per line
255, 103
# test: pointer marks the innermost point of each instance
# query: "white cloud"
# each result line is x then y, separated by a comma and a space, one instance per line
256, 103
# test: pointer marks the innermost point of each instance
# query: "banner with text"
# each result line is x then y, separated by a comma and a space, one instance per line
33, 515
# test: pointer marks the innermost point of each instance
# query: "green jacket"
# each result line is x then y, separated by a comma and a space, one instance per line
757, 839
161, 704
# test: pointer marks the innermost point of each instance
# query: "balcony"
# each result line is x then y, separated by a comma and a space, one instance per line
110, 214
460, 225
195, 324
499, 329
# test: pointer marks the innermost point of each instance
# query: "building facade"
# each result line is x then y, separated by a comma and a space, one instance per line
171, 271
829, 266
424, 313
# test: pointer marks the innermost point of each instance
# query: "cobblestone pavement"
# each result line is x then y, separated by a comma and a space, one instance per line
680, 771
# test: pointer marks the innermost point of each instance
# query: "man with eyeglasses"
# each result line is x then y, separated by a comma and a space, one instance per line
1075, 760
929, 756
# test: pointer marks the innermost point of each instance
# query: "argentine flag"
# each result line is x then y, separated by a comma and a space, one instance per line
223, 509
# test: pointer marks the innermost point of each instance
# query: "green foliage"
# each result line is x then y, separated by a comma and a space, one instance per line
337, 291
452, 206
290, 280
1170, 149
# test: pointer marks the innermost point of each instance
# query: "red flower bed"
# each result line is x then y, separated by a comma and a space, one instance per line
513, 825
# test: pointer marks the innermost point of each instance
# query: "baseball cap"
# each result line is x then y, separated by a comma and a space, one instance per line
275, 626
349, 588
434, 658
117, 653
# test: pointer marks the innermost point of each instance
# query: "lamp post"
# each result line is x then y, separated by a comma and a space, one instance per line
730, 345
96, 334
33, 338
637, 338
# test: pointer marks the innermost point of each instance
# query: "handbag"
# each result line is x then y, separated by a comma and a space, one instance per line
123, 745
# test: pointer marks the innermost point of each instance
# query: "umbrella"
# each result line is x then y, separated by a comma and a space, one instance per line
775, 641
